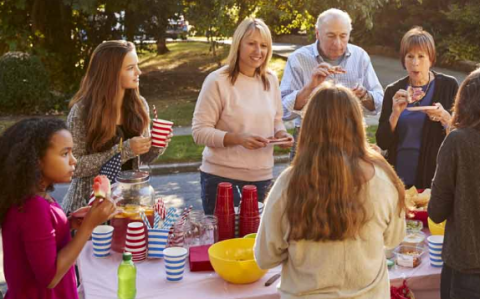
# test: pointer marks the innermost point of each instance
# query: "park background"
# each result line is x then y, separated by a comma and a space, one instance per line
45, 47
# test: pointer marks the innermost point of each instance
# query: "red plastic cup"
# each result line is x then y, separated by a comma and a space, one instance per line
226, 226
248, 225
249, 205
224, 202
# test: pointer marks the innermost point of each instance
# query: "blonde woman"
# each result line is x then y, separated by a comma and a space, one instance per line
330, 214
238, 113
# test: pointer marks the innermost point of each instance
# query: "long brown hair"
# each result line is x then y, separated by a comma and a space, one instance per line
466, 110
247, 27
324, 194
98, 92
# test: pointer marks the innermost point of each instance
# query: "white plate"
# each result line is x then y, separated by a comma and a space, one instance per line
421, 108
279, 141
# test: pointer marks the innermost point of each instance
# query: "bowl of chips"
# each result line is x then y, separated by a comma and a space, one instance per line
417, 202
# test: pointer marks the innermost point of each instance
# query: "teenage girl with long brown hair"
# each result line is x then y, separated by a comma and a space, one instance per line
330, 214
108, 108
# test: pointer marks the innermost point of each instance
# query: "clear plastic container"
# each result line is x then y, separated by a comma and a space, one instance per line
414, 226
409, 256
415, 239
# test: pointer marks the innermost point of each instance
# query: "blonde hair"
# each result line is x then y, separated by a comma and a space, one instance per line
246, 28
417, 39
325, 194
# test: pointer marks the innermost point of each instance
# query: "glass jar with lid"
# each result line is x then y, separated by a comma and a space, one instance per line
134, 189
133, 195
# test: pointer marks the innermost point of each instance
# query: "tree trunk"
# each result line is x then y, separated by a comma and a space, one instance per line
162, 46
130, 25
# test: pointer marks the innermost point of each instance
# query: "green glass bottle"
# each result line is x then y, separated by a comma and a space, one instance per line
127, 278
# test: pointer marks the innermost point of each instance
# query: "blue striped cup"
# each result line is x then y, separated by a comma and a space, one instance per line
102, 240
157, 241
175, 260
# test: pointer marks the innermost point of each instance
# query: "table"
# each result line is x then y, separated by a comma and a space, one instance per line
99, 280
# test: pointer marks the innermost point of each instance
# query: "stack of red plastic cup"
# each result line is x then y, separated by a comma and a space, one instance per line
224, 210
249, 215
136, 241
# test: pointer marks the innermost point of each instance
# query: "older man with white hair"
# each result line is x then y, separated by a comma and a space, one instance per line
331, 57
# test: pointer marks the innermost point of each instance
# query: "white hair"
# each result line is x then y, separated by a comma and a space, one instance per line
333, 13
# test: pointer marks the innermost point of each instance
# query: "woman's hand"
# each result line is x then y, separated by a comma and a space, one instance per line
101, 211
252, 142
439, 114
399, 102
284, 134
140, 145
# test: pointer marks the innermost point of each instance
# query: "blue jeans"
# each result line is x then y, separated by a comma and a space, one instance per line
457, 285
209, 183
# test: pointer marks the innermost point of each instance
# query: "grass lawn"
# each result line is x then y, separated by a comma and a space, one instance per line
184, 149
172, 83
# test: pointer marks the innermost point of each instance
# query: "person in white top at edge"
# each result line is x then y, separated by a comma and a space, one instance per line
331, 57
238, 113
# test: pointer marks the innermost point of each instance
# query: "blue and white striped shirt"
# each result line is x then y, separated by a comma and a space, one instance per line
302, 62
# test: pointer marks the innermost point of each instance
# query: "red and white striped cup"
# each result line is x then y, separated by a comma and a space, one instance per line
160, 131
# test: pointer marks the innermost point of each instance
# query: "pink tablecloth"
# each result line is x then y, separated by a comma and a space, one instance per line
99, 281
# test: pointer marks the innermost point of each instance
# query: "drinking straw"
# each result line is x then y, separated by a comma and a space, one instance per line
170, 218
160, 208
155, 112
186, 212
145, 219
156, 221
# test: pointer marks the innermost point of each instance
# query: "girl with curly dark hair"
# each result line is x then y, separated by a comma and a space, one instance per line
38, 251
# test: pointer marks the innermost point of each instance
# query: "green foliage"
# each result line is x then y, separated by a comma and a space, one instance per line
23, 83
453, 23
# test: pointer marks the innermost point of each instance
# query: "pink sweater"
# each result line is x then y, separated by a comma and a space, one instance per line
32, 238
241, 108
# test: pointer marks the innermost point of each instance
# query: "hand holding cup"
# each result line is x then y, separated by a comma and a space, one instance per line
140, 145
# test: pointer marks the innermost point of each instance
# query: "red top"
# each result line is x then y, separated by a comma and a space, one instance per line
32, 238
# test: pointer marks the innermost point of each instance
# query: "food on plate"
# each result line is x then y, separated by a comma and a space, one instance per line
417, 201
337, 70
414, 226
414, 94
101, 186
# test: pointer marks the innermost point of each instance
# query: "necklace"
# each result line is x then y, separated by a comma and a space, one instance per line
417, 103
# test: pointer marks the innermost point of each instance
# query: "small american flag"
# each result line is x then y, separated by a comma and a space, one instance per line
111, 169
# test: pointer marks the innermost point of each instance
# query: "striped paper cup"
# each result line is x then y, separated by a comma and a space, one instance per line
157, 241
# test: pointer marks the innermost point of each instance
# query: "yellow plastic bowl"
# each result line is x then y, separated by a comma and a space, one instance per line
436, 229
252, 236
233, 261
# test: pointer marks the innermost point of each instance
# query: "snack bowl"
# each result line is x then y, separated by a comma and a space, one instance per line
414, 239
250, 236
436, 229
233, 260
409, 256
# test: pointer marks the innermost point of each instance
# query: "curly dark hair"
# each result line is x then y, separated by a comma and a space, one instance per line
22, 146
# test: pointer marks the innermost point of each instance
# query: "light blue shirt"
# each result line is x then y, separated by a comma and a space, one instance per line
300, 66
